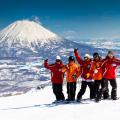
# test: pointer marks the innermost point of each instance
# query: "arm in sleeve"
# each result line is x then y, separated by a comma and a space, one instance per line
80, 61
46, 65
64, 69
117, 61
78, 73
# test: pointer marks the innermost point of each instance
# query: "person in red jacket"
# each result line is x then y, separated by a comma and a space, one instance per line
56, 77
85, 65
109, 75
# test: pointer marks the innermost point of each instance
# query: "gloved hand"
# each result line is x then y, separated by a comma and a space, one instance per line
67, 66
95, 71
87, 75
46, 60
74, 76
76, 49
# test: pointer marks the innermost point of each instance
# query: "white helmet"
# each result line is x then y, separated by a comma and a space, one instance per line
87, 55
58, 57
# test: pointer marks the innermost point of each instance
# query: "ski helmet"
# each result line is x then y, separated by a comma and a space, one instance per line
58, 57
95, 54
71, 58
87, 56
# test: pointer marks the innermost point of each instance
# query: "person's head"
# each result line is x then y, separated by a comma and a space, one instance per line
87, 57
71, 59
110, 54
96, 56
58, 59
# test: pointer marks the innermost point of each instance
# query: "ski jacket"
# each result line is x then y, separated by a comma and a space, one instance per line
85, 67
72, 71
97, 70
56, 75
109, 67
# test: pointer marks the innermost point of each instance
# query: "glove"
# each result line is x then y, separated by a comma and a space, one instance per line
46, 60
95, 71
87, 75
76, 49
74, 76
67, 67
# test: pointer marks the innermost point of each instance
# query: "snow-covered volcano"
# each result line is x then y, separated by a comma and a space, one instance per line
27, 39
25, 31
23, 37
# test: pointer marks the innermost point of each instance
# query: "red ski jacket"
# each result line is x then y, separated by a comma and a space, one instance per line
85, 67
109, 67
56, 75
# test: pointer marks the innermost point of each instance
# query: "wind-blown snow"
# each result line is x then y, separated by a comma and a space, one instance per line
35, 105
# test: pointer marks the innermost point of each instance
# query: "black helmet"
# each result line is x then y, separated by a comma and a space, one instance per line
95, 54
71, 58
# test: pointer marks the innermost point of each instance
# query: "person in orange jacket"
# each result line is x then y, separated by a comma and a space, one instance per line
56, 77
72, 73
109, 75
96, 70
85, 75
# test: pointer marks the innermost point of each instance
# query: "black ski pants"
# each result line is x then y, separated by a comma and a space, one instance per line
71, 90
58, 91
105, 90
84, 85
97, 84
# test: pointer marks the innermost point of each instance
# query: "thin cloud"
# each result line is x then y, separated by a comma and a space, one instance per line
71, 34
36, 19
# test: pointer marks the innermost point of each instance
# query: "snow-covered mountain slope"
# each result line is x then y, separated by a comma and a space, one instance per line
23, 36
36, 105
104, 44
26, 32
26, 38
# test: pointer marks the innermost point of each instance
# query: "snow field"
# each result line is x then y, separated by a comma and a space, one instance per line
35, 105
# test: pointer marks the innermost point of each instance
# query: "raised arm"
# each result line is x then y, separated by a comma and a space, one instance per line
46, 65
79, 59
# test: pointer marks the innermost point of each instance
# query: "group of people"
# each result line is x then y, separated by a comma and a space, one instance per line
95, 73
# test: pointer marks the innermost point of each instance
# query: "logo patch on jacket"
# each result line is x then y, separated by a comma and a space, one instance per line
114, 65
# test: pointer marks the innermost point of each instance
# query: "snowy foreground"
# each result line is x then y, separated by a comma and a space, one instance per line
36, 105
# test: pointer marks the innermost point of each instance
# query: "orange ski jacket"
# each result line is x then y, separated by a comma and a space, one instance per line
72, 71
